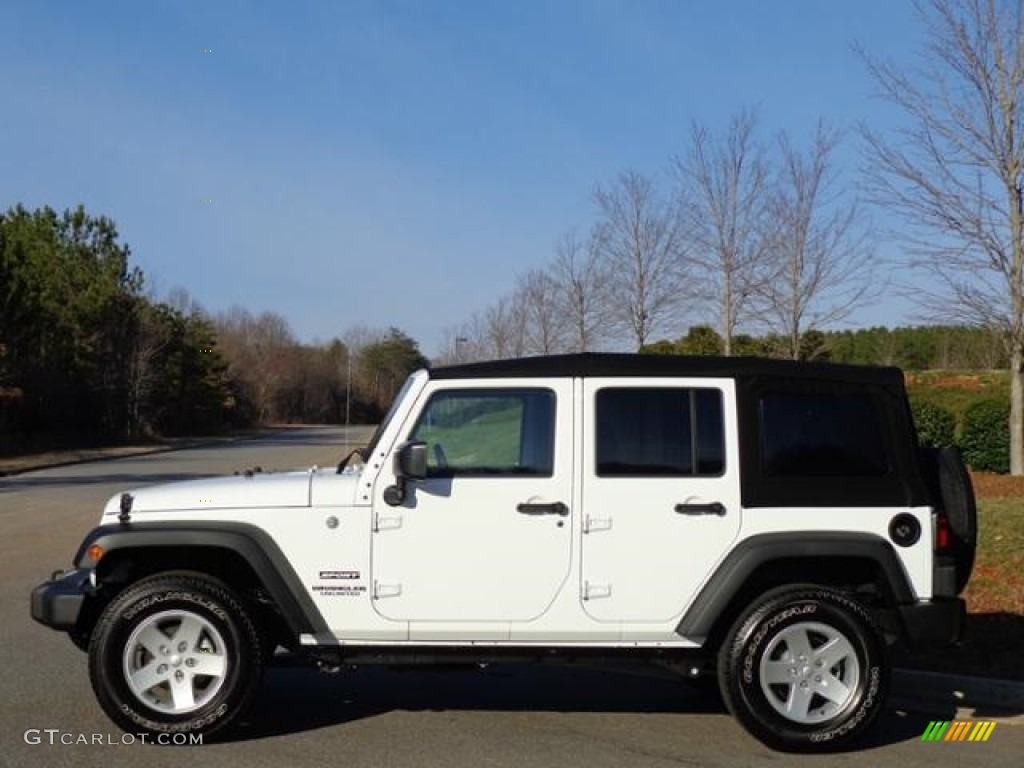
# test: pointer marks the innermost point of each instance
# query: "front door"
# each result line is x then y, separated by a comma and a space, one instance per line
486, 537
660, 494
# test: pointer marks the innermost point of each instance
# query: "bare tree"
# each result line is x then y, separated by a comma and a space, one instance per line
723, 186
956, 170
581, 281
151, 338
457, 345
545, 326
497, 332
638, 238
504, 328
181, 301
260, 352
818, 247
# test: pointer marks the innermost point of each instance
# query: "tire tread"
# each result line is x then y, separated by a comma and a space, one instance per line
249, 653
732, 650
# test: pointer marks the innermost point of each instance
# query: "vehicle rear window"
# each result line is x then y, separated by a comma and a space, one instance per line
661, 432
822, 434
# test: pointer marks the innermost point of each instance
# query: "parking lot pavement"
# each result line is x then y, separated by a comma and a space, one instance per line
524, 717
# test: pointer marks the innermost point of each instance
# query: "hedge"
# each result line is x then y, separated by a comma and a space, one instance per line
935, 425
985, 439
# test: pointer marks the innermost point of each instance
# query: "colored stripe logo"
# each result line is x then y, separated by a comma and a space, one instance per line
958, 730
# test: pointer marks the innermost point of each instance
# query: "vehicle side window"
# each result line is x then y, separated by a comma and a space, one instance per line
660, 432
489, 432
822, 434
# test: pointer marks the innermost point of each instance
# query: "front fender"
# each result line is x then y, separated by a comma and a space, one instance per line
251, 543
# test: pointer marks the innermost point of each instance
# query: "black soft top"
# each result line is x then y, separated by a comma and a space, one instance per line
901, 485
605, 364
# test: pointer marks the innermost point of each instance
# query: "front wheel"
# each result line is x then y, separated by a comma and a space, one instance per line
176, 653
804, 669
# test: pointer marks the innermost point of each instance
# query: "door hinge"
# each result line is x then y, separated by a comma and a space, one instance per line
592, 524
386, 522
386, 589
592, 591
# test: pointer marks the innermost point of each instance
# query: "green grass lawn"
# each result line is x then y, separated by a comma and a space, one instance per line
956, 391
997, 584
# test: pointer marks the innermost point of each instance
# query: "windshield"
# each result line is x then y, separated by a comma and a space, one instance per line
372, 445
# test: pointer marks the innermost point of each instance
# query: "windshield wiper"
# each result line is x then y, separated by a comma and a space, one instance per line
354, 452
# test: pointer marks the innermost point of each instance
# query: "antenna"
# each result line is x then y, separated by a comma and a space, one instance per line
348, 397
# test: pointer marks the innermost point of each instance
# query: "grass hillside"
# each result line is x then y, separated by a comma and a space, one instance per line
957, 391
995, 594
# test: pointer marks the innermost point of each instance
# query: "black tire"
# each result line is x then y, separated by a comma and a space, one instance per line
953, 495
150, 649
763, 645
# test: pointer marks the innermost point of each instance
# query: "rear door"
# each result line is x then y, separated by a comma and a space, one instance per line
660, 493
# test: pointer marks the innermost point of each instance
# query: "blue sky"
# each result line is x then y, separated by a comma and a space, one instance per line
394, 162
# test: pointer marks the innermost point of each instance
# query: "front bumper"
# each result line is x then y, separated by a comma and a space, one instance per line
58, 603
934, 623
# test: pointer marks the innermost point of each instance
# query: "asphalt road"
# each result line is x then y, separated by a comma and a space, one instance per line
500, 716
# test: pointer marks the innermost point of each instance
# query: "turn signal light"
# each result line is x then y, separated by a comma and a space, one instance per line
94, 553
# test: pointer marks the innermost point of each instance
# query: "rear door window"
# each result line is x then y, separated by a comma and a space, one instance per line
659, 432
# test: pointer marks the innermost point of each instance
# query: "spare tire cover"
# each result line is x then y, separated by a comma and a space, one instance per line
951, 483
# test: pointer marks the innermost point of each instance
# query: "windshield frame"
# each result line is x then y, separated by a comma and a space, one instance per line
390, 415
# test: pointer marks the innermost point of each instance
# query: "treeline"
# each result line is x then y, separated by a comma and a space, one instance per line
87, 357
275, 378
966, 409
919, 348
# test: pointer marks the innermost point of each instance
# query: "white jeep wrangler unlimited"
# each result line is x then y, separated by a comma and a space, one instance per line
773, 523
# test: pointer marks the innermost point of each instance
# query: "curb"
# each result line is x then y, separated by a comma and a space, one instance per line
99, 455
86, 456
1001, 700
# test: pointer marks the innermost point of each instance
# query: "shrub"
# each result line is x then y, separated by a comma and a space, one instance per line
935, 425
985, 439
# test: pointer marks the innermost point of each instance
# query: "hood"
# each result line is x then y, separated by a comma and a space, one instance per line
290, 489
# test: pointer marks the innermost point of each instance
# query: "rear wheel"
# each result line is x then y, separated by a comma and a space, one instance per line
175, 653
804, 669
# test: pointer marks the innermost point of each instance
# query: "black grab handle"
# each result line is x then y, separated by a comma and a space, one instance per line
554, 508
714, 508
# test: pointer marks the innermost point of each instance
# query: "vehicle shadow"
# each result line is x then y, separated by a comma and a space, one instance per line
988, 663
296, 700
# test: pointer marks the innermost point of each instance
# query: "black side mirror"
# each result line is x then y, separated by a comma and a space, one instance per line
411, 461
410, 464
